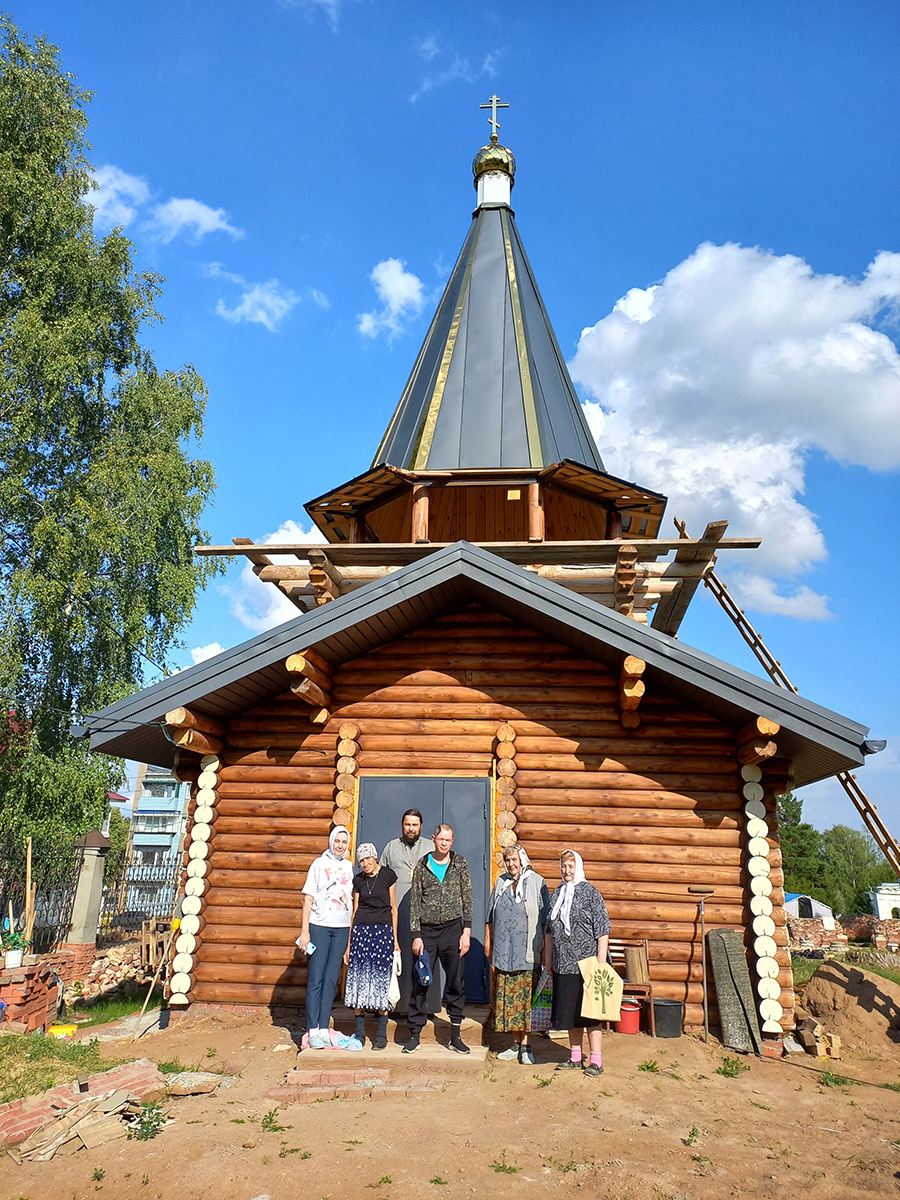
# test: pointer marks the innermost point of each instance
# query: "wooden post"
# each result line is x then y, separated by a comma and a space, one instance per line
419, 530
535, 513
613, 526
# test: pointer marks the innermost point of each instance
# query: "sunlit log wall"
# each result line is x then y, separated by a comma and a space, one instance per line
651, 810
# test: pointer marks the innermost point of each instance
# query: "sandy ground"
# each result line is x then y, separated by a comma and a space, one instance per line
682, 1133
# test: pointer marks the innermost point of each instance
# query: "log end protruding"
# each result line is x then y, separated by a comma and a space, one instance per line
631, 690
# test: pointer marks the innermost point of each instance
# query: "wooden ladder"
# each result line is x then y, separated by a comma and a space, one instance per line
884, 840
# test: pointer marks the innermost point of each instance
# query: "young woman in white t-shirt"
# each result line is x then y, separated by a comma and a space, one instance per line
325, 928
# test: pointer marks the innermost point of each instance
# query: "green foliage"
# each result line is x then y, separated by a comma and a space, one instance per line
649, 1064
118, 844
853, 864
14, 940
148, 1124
693, 1136
731, 1068
98, 1174
503, 1167
801, 848
269, 1123
100, 492
837, 867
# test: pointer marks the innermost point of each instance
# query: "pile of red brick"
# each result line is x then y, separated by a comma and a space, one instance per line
30, 995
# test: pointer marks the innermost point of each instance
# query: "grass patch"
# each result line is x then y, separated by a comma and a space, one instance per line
31, 1063
804, 968
114, 1010
731, 1067
173, 1067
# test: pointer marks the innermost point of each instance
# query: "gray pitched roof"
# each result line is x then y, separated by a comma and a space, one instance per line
820, 742
490, 386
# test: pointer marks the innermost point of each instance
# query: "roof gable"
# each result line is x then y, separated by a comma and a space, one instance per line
820, 742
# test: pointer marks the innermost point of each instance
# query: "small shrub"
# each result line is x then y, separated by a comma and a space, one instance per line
98, 1174
437, 1180
269, 1123
693, 1136
701, 1159
148, 1124
503, 1167
731, 1067
649, 1064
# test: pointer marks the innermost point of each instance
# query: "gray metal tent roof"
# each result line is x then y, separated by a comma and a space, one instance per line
820, 742
489, 387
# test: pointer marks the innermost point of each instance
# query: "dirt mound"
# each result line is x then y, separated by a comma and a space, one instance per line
862, 1008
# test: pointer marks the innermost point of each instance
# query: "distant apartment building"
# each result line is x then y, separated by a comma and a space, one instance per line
157, 822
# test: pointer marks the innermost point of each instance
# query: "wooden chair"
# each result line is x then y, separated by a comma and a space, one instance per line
631, 958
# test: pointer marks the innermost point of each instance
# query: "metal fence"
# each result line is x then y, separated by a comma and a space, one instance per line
55, 869
139, 891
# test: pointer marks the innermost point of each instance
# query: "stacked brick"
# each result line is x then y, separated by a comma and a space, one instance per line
30, 996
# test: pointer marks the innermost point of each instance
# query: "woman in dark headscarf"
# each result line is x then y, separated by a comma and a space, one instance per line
578, 928
373, 941
513, 941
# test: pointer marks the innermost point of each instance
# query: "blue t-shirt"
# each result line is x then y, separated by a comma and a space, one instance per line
439, 870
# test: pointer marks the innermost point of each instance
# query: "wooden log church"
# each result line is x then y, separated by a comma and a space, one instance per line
487, 634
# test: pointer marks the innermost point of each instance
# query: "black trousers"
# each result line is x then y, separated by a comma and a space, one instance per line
442, 944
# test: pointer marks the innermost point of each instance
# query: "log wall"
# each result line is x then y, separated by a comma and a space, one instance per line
651, 810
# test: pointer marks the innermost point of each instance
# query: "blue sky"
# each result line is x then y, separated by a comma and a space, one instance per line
707, 193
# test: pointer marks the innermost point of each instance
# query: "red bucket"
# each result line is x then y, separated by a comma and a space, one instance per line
629, 1017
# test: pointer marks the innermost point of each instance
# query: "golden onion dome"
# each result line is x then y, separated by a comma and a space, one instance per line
494, 157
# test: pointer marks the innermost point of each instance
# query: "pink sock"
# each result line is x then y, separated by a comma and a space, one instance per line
575, 1054
596, 1060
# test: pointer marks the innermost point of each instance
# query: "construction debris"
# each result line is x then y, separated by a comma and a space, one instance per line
815, 1040
88, 1123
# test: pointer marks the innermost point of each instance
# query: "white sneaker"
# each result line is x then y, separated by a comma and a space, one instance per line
509, 1055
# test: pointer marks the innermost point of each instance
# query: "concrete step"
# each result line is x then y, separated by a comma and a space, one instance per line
474, 1028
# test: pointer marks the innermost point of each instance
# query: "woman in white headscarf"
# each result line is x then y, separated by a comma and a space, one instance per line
324, 930
373, 942
578, 928
513, 943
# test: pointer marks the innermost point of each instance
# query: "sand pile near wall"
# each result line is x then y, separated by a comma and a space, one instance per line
859, 1006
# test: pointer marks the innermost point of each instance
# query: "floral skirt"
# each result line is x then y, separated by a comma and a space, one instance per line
370, 966
512, 1000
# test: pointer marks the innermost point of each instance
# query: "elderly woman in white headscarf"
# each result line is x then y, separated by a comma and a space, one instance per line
578, 928
513, 943
324, 928
373, 941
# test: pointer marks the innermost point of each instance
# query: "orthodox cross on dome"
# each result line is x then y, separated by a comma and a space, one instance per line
493, 104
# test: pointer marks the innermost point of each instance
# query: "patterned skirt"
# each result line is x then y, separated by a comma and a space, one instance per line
512, 1000
370, 966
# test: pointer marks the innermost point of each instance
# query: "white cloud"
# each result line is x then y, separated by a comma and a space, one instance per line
446, 66
715, 385
261, 303
319, 298
330, 9
193, 218
261, 606
117, 197
402, 296
200, 654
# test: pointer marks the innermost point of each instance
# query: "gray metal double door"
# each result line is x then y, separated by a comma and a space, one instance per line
462, 803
